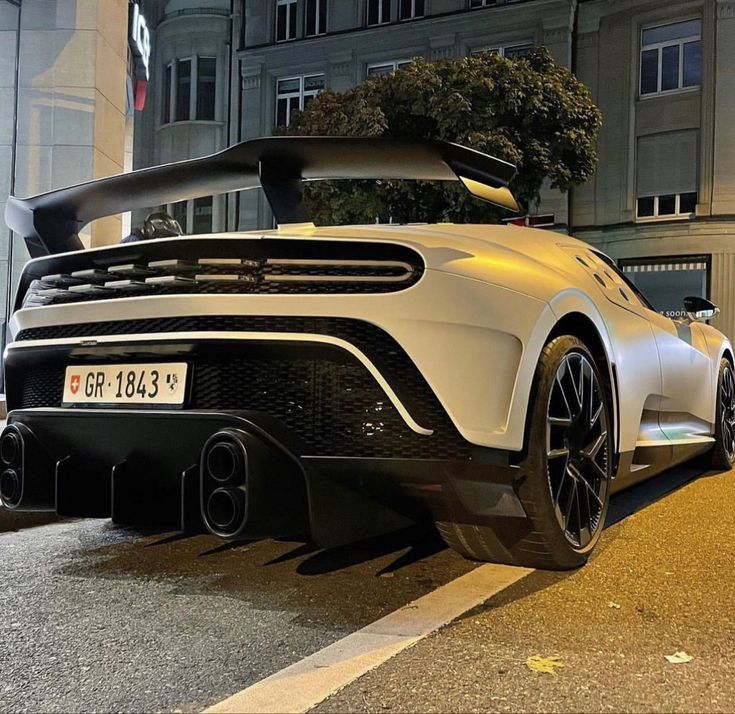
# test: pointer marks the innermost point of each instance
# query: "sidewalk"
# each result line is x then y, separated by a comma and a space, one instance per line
661, 582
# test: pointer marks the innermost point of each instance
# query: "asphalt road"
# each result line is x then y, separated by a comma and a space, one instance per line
99, 618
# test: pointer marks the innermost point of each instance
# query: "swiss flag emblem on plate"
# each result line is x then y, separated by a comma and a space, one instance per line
74, 383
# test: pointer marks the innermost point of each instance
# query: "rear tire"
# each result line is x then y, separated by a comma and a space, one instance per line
566, 483
722, 455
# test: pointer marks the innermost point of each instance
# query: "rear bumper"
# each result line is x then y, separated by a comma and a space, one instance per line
151, 467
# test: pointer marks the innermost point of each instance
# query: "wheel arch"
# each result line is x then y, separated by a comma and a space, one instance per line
727, 354
582, 326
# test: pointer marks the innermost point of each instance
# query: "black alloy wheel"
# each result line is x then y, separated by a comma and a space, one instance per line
727, 411
578, 449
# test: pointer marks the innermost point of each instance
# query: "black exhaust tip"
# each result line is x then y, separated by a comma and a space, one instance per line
10, 448
10, 487
224, 462
225, 509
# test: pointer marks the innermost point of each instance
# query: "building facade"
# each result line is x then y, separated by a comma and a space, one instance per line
69, 74
291, 49
662, 201
188, 107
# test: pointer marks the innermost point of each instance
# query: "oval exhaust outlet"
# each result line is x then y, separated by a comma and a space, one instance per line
225, 509
10, 448
225, 462
10, 487
251, 487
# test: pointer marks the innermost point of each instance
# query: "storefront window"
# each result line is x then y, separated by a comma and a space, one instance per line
667, 281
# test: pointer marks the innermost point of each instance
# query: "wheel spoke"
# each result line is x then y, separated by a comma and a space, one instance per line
585, 521
569, 504
595, 417
588, 487
580, 387
557, 453
559, 421
578, 511
594, 448
601, 473
564, 396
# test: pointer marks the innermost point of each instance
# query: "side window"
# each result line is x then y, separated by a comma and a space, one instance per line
624, 285
615, 286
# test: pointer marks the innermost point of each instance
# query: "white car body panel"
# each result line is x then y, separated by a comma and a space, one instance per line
476, 322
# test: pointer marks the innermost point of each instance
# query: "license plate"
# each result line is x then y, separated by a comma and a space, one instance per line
140, 384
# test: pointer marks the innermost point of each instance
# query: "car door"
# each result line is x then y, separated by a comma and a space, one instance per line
636, 359
687, 399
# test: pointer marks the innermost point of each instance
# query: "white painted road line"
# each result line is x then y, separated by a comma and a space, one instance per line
303, 685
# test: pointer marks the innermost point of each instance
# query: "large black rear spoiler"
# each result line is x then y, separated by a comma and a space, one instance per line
50, 222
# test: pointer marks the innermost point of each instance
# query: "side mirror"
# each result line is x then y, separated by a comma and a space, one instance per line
699, 309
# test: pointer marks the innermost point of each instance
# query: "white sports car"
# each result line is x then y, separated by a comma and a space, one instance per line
338, 382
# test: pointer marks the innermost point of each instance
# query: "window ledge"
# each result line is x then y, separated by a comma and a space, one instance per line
669, 93
183, 122
664, 219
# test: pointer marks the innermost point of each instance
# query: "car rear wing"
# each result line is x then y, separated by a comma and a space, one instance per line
50, 222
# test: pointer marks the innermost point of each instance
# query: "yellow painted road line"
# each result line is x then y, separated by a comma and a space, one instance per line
303, 685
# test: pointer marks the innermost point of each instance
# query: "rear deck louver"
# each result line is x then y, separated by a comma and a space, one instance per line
192, 266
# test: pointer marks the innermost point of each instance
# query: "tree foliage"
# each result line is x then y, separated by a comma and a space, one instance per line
529, 111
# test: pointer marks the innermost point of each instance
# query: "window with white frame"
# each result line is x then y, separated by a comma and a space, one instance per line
285, 20
194, 216
378, 12
189, 90
315, 18
671, 57
666, 175
294, 93
481, 3
380, 68
514, 50
410, 9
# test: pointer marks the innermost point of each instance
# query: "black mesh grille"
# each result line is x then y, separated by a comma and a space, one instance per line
329, 399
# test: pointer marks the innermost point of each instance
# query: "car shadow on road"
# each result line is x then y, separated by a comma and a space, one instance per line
638, 497
388, 571
409, 544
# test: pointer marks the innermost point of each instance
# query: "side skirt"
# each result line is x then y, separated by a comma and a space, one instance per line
652, 459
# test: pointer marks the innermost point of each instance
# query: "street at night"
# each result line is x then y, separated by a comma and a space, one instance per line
105, 618
367, 356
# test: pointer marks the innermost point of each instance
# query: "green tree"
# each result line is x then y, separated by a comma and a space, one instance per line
529, 111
